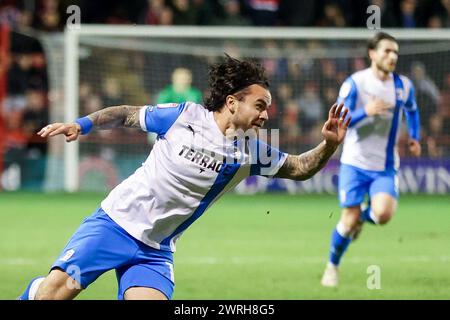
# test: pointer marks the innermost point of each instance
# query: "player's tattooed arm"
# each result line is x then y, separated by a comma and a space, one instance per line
305, 165
113, 117
108, 118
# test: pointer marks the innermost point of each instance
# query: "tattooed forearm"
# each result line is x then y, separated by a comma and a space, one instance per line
307, 164
113, 117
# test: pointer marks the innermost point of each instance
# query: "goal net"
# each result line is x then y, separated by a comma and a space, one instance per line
99, 66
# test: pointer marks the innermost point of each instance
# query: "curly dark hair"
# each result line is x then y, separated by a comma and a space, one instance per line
230, 77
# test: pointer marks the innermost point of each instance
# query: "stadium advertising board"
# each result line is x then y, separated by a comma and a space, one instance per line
415, 176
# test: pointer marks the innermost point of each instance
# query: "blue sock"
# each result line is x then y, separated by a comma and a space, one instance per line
26, 293
339, 244
367, 216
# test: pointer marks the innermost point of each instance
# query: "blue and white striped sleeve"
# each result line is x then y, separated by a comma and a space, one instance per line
160, 118
348, 95
412, 114
266, 159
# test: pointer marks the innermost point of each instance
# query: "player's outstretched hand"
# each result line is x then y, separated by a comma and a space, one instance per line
414, 147
70, 130
335, 128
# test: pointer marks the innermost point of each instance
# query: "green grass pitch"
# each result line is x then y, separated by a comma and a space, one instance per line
267, 246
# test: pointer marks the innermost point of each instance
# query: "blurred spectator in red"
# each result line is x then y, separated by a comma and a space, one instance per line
154, 12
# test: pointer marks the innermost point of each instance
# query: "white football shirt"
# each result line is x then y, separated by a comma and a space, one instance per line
370, 143
190, 166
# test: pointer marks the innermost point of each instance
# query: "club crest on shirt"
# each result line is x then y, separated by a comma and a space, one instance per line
67, 255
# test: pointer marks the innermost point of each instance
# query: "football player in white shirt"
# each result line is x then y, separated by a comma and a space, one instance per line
195, 160
377, 97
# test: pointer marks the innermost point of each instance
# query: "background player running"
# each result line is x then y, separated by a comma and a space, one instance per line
377, 97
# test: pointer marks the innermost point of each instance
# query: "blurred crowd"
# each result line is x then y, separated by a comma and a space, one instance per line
303, 89
50, 15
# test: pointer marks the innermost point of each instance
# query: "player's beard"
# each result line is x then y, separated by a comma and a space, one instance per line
385, 69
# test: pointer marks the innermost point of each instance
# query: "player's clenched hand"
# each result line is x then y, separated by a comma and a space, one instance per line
70, 130
335, 128
377, 107
414, 147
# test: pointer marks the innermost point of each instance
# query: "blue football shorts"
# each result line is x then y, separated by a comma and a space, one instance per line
100, 245
355, 183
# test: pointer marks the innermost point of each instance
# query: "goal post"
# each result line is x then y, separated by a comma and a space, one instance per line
71, 108
142, 59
